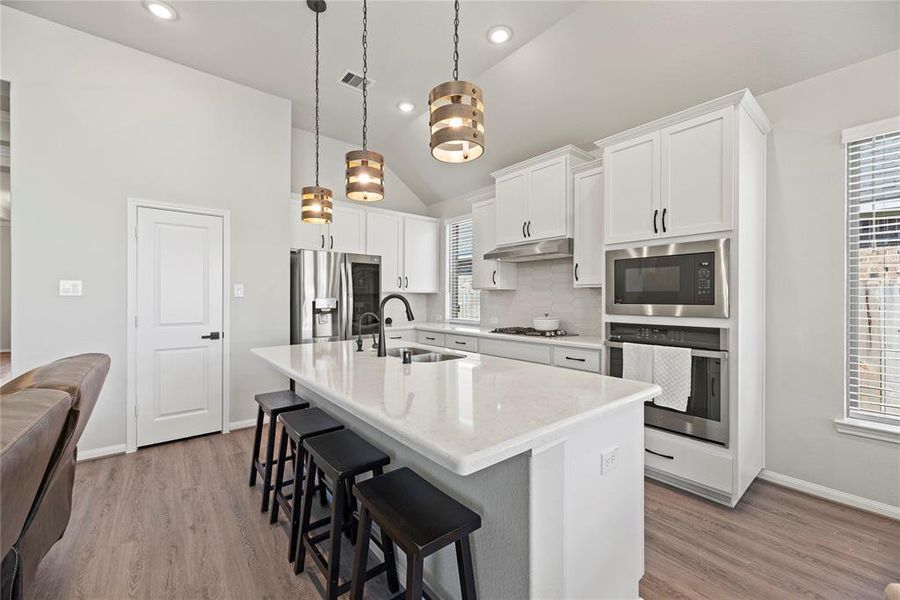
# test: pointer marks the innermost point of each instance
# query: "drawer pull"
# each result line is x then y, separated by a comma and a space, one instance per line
666, 456
576, 359
461, 343
429, 338
395, 337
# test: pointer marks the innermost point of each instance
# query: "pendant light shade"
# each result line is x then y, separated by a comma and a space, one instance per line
365, 176
364, 172
456, 113
316, 206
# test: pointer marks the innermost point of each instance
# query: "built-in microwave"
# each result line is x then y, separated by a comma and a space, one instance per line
682, 280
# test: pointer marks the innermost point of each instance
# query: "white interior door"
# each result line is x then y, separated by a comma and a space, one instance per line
179, 304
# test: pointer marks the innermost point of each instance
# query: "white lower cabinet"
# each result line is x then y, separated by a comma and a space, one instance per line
576, 358
462, 342
537, 353
688, 460
407, 335
431, 338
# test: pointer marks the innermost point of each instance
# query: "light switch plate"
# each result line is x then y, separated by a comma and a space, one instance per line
239, 290
494, 320
70, 287
609, 460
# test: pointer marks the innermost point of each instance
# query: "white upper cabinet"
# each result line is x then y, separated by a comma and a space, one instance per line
512, 197
534, 197
488, 274
698, 174
631, 194
384, 236
675, 176
587, 265
420, 254
305, 236
347, 232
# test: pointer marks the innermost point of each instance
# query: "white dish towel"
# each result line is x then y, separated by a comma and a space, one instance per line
637, 362
672, 372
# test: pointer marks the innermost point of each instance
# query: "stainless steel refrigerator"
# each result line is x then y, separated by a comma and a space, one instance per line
329, 293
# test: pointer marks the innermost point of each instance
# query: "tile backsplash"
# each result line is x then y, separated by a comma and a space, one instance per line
545, 287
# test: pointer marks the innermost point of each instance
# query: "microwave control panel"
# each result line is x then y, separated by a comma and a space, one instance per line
704, 278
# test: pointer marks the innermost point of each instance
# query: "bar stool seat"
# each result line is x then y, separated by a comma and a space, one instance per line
271, 404
420, 519
341, 456
297, 427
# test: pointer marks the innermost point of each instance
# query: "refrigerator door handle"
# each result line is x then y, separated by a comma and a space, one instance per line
347, 288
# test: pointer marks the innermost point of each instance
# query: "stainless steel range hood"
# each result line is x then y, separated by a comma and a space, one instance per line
531, 251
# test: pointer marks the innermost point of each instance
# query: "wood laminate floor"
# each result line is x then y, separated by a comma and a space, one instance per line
179, 521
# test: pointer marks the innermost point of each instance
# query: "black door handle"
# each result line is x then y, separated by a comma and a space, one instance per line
214, 335
576, 271
523, 229
406, 282
528, 228
664, 219
323, 240
655, 215
494, 277
399, 282
332, 242
666, 456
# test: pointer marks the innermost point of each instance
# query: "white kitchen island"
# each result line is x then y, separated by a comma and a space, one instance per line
517, 442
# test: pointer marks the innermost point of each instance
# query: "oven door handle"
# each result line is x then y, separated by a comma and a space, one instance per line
659, 454
720, 354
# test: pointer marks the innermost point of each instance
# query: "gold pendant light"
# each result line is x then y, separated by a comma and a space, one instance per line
456, 113
364, 172
316, 205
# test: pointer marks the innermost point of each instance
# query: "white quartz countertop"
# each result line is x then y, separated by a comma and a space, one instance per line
465, 414
572, 341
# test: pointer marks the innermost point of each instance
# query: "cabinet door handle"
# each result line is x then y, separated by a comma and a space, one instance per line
576, 271
655, 215
406, 282
494, 277
323, 240
666, 456
664, 219
523, 229
332, 242
395, 337
576, 359
399, 282
529, 228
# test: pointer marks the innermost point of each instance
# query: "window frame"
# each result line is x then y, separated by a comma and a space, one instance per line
854, 422
448, 296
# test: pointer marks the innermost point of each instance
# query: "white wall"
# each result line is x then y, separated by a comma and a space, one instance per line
96, 123
805, 279
397, 196
4, 285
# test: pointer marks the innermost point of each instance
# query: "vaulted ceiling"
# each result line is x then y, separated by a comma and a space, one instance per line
573, 72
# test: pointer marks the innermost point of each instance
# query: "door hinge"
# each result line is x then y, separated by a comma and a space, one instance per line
135, 321
135, 410
135, 233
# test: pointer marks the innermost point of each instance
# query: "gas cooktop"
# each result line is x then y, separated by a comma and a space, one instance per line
533, 331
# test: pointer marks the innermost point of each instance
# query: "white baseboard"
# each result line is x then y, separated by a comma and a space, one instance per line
246, 423
814, 489
100, 452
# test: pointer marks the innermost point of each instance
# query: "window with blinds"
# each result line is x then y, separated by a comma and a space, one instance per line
873, 269
462, 298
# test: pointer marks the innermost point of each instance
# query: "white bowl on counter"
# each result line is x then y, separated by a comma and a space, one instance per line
545, 323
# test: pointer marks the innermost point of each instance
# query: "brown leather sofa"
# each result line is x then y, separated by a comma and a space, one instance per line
42, 416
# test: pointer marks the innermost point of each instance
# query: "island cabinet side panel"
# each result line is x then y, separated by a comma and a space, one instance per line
586, 522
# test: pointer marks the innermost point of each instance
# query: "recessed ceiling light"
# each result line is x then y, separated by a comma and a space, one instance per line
161, 10
499, 34
406, 106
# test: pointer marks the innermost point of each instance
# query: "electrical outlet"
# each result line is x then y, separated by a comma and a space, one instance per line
609, 460
70, 287
239, 290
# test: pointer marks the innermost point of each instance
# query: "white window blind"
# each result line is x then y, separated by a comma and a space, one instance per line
873, 268
462, 299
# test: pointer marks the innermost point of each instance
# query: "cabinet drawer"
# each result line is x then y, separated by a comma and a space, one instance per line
407, 335
462, 342
694, 461
431, 338
583, 360
537, 353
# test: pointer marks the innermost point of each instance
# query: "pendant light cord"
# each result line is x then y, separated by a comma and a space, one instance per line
317, 99
365, 93
456, 41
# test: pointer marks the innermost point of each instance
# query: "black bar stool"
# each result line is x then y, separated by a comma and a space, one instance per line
421, 519
272, 404
297, 426
342, 456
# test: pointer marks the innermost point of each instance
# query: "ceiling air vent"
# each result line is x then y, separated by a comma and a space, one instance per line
352, 80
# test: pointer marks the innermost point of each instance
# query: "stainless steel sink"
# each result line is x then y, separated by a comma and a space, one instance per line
423, 355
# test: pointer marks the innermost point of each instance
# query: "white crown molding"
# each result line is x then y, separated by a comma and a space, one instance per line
568, 150
814, 489
594, 165
742, 97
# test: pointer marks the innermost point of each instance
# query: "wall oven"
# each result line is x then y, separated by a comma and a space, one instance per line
706, 417
682, 280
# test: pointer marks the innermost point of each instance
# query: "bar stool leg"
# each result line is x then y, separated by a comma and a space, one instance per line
323, 496
334, 556
297, 501
306, 511
361, 555
267, 473
414, 568
279, 477
466, 571
257, 437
